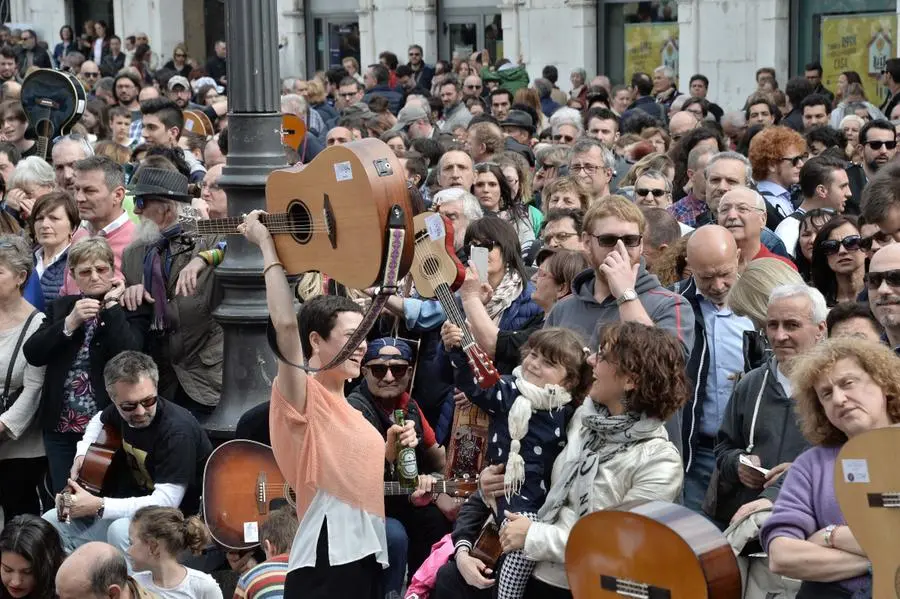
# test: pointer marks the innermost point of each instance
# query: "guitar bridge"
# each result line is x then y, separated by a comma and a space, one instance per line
262, 499
884, 500
632, 588
330, 222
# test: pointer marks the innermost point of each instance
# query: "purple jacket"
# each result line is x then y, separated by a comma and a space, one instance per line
807, 503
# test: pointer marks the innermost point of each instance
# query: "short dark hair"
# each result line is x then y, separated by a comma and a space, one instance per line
577, 217
8, 52
416, 165
501, 91
118, 111
757, 99
661, 229
875, 124
703, 103
892, 67
828, 136
765, 70
451, 81
604, 114
108, 571
113, 175
390, 58
11, 151
50, 202
814, 66
166, 111
403, 70
882, 193
550, 73
796, 89
818, 171
348, 80
699, 77
845, 311
319, 315
336, 75
643, 83
815, 100
279, 529
380, 74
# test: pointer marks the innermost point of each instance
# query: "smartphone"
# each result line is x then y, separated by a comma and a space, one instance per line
479, 257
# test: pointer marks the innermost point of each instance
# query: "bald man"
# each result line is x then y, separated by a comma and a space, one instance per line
884, 291
97, 571
681, 123
713, 256
743, 212
212, 194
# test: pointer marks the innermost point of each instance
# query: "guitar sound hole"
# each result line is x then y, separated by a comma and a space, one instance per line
299, 222
431, 266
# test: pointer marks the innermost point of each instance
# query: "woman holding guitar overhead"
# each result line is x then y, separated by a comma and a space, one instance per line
332, 457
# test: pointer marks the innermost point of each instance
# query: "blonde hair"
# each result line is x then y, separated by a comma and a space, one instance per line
315, 91
749, 296
564, 184
656, 161
877, 360
617, 206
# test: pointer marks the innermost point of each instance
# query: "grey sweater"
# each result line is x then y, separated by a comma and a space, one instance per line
23, 437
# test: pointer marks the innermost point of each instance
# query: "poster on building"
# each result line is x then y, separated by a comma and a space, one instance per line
650, 45
860, 43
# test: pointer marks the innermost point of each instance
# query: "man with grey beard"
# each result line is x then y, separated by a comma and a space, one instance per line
169, 270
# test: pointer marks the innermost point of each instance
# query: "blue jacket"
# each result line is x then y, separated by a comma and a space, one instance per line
394, 98
545, 439
423, 77
33, 293
328, 113
648, 105
548, 106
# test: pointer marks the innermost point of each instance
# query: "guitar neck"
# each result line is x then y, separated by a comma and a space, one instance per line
455, 315
392, 487
42, 144
228, 225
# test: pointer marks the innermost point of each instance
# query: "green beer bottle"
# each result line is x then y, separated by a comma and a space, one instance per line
406, 458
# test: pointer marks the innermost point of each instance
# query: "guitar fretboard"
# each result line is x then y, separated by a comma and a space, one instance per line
440, 486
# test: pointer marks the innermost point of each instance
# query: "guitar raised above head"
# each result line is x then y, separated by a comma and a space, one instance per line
53, 102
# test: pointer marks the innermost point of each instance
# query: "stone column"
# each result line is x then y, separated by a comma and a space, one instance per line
254, 150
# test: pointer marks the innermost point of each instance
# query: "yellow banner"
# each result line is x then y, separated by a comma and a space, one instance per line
860, 43
650, 45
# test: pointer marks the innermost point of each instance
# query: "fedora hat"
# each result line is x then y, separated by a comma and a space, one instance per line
160, 182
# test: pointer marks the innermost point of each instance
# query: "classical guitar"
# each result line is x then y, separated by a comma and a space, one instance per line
867, 486
98, 466
53, 101
437, 273
196, 122
652, 550
242, 479
293, 131
332, 215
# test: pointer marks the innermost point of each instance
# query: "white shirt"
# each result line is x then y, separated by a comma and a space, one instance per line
685, 229
196, 585
784, 381
359, 535
39, 260
789, 232
121, 220
98, 50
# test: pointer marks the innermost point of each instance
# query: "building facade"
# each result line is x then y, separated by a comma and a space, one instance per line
726, 40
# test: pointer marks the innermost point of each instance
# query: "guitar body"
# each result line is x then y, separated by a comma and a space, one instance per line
435, 259
196, 122
867, 486
680, 554
293, 131
338, 208
240, 480
53, 101
98, 466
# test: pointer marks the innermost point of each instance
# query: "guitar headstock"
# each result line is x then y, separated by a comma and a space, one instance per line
462, 487
486, 375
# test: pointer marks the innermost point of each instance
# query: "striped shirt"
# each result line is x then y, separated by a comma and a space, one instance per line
264, 581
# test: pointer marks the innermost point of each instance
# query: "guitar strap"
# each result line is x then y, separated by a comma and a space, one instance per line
396, 235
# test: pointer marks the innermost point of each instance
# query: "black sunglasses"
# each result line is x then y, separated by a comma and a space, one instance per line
379, 371
833, 246
875, 279
796, 160
876, 145
144, 403
610, 241
866, 242
657, 193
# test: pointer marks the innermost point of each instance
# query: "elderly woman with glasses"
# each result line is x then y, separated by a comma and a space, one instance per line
842, 388
838, 264
33, 178
22, 461
79, 336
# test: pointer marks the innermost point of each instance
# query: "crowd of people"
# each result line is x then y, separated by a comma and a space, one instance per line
686, 302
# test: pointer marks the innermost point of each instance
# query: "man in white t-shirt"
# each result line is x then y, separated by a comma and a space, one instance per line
824, 185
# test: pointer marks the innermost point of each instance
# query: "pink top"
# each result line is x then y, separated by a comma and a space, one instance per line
119, 238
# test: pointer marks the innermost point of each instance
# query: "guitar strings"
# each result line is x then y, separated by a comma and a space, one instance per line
442, 290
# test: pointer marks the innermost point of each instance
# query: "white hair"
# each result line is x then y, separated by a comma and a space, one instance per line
79, 140
667, 72
735, 118
732, 156
32, 171
470, 204
819, 309
851, 118
294, 104
566, 116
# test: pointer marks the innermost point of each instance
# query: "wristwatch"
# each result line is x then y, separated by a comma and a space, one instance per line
828, 534
628, 295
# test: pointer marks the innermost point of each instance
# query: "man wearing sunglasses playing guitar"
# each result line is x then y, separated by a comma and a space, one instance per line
165, 452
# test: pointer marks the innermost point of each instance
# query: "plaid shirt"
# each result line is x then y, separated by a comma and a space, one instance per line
688, 209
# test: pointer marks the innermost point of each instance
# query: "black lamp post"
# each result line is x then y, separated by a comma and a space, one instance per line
254, 150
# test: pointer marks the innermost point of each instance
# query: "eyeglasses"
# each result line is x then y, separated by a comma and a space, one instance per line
414, 54
86, 272
796, 161
146, 403
589, 169
379, 371
833, 246
657, 193
560, 237
564, 138
180, 55
875, 279
876, 145
865, 243
610, 241
741, 209
484, 166
473, 87
209, 186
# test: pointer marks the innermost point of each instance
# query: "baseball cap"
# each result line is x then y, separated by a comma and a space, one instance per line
409, 114
178, 80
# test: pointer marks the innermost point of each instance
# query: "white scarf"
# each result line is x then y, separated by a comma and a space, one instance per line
504, 295
531, 398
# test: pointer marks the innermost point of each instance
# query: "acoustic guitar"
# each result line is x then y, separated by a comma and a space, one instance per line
651, 550
242, 479
53, 101
196, 122
867, 486
293, 131
332, 214
98, 467
437, 273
